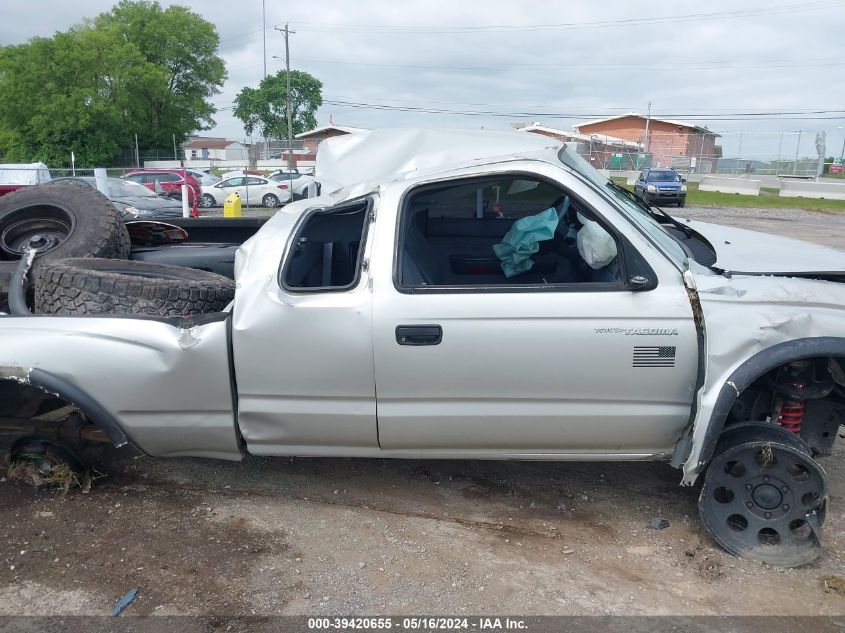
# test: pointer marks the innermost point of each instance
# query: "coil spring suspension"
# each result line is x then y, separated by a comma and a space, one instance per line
792, 415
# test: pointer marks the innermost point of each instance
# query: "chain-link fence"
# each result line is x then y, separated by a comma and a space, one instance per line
787, 154
688, 150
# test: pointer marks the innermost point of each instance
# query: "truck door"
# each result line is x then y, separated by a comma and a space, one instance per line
562, 358
302, 336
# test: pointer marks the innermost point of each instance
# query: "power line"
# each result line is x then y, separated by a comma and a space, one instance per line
509, 28
724, 109
740, 116
592, 66
817, 5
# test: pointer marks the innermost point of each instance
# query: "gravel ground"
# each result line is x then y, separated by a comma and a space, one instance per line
355, 536
822, 227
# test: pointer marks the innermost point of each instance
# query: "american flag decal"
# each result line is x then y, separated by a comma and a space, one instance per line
662, 356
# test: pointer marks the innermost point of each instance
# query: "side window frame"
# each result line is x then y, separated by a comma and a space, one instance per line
631, 262
290, 247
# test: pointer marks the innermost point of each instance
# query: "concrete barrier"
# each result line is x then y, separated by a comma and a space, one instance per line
804, 189
724, 184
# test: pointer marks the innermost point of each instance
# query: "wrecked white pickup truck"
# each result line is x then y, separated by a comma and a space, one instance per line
475, 295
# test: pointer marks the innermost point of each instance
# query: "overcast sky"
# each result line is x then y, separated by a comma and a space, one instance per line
538, 58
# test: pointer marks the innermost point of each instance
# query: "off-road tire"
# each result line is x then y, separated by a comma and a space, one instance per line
107, 286
97, 230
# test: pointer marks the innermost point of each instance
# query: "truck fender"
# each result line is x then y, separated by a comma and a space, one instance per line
780, 354
92, 409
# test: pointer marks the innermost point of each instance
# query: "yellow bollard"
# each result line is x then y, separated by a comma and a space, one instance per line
232, 206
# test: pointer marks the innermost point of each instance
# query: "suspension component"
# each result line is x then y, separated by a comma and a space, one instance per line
792, 414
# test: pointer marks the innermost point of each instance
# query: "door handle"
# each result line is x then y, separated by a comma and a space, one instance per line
419, 334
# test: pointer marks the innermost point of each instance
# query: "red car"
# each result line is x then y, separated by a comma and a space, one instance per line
171, 181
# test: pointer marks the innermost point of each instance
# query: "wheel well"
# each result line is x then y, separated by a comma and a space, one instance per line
753, 373
42, 404
806, 396
29, 411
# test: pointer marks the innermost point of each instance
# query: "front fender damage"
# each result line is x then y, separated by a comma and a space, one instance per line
750, 323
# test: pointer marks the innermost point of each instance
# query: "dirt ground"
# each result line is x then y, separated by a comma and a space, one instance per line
357, 536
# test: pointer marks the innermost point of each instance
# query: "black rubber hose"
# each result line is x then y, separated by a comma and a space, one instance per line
19, 284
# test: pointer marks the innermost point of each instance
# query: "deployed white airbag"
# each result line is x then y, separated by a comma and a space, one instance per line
595, 244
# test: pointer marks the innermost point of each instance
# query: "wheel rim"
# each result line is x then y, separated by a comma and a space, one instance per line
207, 201
766, 501
40, 227
270, 200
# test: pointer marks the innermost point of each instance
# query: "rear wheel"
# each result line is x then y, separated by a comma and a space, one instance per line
765, 500
270, 200
207, 201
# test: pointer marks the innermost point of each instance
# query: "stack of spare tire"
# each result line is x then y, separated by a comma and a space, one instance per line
82, 265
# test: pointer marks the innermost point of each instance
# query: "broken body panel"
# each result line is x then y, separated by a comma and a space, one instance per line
168, 386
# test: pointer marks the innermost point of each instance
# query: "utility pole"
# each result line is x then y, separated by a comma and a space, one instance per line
647, 122
264, 32
797, 147
287, 33
175, 153
264, 40
842, 155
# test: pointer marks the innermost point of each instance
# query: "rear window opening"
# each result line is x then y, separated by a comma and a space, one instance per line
327, 249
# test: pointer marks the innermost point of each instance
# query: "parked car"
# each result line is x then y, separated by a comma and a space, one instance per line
508, 302
661, 186
251, 189
241, 172
169, 180
297, 181
15, 176
132, 200
204, 177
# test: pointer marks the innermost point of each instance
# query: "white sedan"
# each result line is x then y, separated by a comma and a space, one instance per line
297, 181
252, 190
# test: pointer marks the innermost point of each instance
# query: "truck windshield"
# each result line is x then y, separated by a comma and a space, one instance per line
626, 202
663, 175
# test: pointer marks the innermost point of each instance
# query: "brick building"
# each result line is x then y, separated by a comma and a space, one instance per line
601, 150
671, 143
305, 143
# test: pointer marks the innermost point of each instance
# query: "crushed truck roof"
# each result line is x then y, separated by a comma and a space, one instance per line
374, 155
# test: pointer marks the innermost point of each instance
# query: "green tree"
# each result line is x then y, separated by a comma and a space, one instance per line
183, 69
68, 93
264, 109
137, 69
